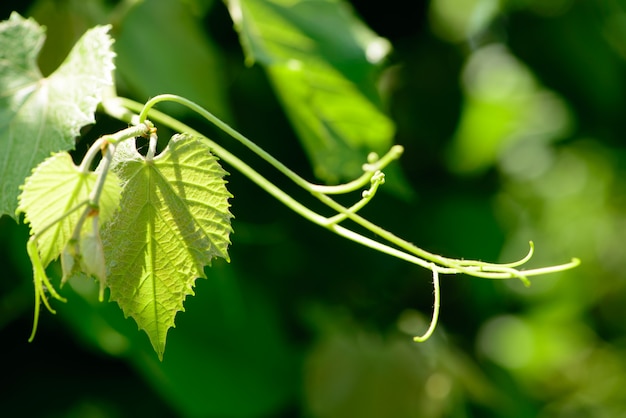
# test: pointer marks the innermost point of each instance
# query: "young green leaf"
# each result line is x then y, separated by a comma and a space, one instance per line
173, 219
322, 61
54, 197
40, 115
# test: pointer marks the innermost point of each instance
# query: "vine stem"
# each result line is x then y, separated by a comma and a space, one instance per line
402, 249
415, 254
268, 186
105, 145
394, 153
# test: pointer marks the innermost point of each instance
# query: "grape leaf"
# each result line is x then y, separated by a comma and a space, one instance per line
52, 199
173, 219
323, 62
40, 115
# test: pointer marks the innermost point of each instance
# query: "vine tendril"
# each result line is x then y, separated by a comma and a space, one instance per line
372, 174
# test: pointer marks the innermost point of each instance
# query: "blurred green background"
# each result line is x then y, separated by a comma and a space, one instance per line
511, 114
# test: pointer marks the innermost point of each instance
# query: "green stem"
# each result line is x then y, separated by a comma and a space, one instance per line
107, 145
152, 145
401, 248
272, 189
227, 156
94, 197
372, 167
102, 142
415, 254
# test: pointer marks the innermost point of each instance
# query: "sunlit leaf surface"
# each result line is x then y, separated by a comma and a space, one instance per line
322, 61
173, 220
58, 191
40, 115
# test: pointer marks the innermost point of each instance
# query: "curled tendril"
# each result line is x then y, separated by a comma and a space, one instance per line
475, 268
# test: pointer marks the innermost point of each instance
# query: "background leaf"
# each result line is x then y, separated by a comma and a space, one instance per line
322, 61
173, 220
39, 115
180, 60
